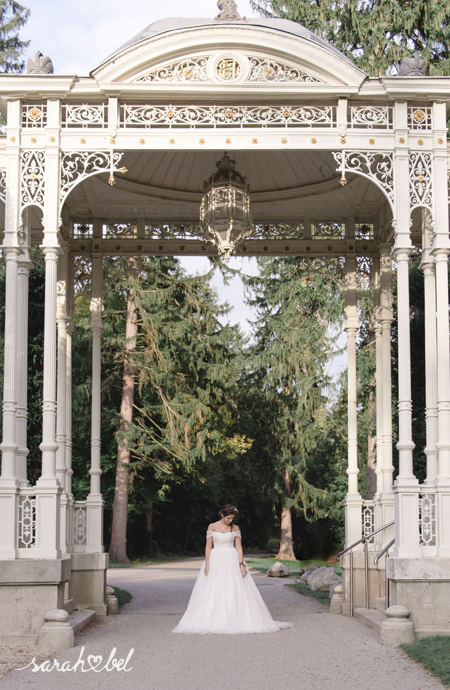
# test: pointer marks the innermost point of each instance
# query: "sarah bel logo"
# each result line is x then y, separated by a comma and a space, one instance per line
92, 663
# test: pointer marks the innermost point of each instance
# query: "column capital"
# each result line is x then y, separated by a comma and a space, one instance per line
402, 253
440, 253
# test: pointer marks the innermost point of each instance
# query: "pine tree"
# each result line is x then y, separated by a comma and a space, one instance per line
12, 18
375, 34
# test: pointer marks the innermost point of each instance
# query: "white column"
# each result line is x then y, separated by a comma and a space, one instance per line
61, 322
406, 489
8, 480
69, 331
22, 371
441, 248
428, 267
386, 318
353, 501
94, 501
48, 488
378, 396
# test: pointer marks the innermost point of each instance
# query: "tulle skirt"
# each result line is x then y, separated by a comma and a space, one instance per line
224, 602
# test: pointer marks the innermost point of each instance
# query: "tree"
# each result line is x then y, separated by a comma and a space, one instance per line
12, 18
296, 303
375, 34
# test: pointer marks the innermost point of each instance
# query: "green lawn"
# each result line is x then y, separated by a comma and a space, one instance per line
264, 563
123, 597
434, 655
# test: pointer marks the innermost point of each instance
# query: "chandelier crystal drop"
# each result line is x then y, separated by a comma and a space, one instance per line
225, 211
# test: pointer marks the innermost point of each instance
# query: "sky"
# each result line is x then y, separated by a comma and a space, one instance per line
78, 34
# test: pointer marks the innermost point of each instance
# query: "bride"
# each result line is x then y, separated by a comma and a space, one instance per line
225, 599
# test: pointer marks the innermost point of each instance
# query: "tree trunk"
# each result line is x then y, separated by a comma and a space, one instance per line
118, 549
286, 552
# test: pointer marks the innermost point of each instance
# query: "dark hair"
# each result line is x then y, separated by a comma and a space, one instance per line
228, 509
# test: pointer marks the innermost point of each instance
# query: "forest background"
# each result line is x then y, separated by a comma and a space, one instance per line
194, 412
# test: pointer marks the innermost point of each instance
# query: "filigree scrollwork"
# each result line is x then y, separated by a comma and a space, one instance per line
193, 69
26, 535
85, 115
82, 230
165, 231
368, 519
79, 523
149, 116
262, 69
378, 166
3, 185
371, 116
328, 230
364, 231
420, 118
33, 178
127, 230
364, 271
34, 116
420, 180
276, 231
427, 519
77, 165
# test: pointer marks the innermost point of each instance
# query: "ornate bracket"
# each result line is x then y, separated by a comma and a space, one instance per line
420, 184
32, 187
377, 166
77, 165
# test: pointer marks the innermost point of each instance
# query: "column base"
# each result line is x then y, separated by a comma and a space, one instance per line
28, 590
88, 582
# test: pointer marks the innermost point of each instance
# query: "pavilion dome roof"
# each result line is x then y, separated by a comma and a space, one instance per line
164, 26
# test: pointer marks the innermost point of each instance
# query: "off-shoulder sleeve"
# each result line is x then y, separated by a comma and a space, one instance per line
237, 533
209, 533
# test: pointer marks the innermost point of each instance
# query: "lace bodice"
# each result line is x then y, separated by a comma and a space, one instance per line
223, 540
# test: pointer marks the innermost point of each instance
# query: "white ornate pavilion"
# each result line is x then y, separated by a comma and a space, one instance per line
112, 164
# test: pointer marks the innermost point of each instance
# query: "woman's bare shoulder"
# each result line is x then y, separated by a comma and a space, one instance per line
212, 526
236, 528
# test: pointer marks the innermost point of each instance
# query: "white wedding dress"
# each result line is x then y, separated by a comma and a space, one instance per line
223, 601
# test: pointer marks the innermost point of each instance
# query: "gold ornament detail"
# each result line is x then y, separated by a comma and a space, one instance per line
419, 115
33, 140
284, 140
420, 178
52, 139
142, 141
371, 141
343, 180
171, 141
254, 140
82, 140
228, 69
170, 113
34, 114
420, 142
12, 139
286, 249
201, 141
440, 140
343, 140
112, 140
286, 113
313, 140
401, 140
228, 140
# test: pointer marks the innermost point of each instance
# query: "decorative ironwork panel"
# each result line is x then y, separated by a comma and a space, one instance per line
276, 231
27, 522
82, 230
34, 116
420, 184
377, 166
148, 116
3, 185
371, 117
33, 178
85, 115
79, 523
420, 118
262, 70
368, 514
77, 165
427, 519
111, 230
193, 69
82, 277
328, 230
167, 231
364, 271
364, 231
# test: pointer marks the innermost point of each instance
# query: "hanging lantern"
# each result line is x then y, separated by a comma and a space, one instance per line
225, 212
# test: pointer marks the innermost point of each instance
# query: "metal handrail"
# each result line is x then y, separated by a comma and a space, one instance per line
350, 548
383, 551
376, 559
364, 538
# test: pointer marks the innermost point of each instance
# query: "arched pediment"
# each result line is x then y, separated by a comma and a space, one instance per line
216, 55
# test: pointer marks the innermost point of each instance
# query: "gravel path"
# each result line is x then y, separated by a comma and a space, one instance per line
321, 651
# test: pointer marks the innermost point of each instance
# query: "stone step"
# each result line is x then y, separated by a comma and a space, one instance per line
380, 604
370, 617
69, 605
81, 617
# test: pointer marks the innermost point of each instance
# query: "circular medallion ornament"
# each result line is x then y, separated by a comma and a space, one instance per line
228, 69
